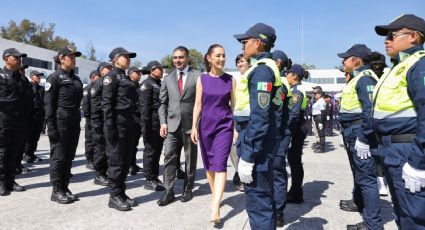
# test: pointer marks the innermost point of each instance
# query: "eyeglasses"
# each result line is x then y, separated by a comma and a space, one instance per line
393, 35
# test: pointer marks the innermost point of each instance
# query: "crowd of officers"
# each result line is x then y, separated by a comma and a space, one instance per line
380, 113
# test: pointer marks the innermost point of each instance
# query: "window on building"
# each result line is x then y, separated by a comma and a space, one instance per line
340, 80
34, 62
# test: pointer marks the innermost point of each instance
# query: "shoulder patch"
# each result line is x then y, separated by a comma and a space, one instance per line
295, 98
370, 88
47, 86
264, 86
92, 91
107, 80
263, 100
142, 87
85, 93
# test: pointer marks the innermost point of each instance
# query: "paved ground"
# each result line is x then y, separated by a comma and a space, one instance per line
327, 180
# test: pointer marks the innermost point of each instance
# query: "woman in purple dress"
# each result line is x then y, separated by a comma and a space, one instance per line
213, 123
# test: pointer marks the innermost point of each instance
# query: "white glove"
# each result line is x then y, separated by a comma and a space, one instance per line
245, 171
309, 117
363, 150
327, 118
413, 178
320, 126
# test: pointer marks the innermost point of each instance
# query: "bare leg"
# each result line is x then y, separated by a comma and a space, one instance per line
219, 184
210, 177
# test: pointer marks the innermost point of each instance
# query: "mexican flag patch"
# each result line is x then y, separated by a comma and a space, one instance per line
264, 86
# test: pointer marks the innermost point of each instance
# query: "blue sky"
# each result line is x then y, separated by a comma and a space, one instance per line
153, 28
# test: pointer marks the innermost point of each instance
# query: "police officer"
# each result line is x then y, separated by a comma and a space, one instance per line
149, 102
298, 129
399, 115
88, 144
64, 91
99, 157
27, 119
134, 73
119, 101
258, 97
359, 139
280, 180
37, 118
12, 112
319, 118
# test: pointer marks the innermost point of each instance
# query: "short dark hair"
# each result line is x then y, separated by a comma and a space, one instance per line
238, 58
183, 49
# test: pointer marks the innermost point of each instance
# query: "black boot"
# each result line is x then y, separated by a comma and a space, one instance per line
295, 196
17, 188
180, 173
279, 220
59, 196
348, 206
4, 191
101, 180
359, 226
117, 202
166, 199
129, 201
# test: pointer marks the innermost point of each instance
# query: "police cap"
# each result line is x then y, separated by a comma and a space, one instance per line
357, 50
298, 70
260, 31
120, 51
13, 52
36, 73
133, 69
409, 21
103, 65
153, 64
67, 51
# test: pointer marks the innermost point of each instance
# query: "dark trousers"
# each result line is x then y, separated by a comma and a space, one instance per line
260, 204
11, 140
320, 132
62, 152
119, 153
280, 176
174, 143
309, 125
409, 208
152, 154
88, 143
365, 192
100, 163
31, 142
137, 135
295, 153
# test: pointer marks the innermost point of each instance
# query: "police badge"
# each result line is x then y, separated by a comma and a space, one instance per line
263, 100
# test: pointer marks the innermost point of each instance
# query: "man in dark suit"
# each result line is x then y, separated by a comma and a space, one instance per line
177, 98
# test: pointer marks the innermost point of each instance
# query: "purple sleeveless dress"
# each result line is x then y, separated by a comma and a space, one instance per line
216, 122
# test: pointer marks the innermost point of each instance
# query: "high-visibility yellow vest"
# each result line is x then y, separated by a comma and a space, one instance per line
391, 98
241, 93
349, 100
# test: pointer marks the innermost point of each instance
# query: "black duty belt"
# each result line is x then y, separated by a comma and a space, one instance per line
346, 124
400, 138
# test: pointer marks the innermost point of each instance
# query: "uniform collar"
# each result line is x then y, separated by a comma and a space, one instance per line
295, 85
356, 72
7, 71
66, 73
118, 70
403, 55
259, 56
154, 79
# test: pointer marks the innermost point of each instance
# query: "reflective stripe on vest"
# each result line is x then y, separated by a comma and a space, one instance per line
241, 93
391, 98
349, 99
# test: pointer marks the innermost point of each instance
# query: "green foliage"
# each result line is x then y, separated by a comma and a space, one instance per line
37, 35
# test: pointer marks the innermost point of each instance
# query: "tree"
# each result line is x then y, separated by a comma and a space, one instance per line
37, 35
91, 52
137, 63
307, 66
196, 61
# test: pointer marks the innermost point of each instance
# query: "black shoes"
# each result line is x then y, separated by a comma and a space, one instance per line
154, 184
135, 169
319, 150
101, 180
90, 165
17, 188
279, 220
180, 173
71, 195
359, 226
60, 197
3, 189
129, 201
31, 158
295, 198
22, 170
187, 196
348, 206
117, 202
236, 180
166, 199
